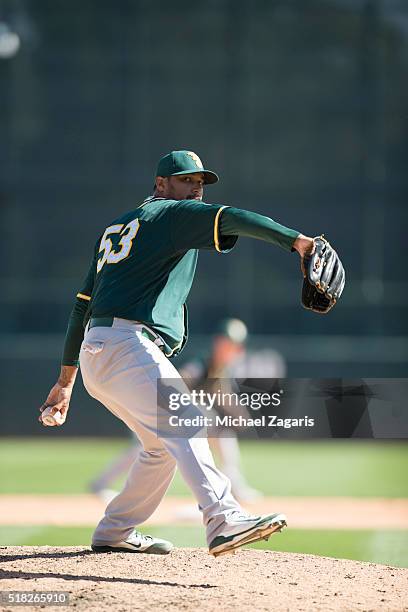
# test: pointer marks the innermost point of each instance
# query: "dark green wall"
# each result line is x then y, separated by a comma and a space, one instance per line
300, 106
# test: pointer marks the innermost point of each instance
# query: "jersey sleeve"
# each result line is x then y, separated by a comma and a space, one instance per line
75, 329
238, 222
196, 225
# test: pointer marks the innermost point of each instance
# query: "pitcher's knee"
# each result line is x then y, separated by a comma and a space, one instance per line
159, 455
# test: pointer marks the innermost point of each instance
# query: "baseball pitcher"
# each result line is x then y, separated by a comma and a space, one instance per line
130, 318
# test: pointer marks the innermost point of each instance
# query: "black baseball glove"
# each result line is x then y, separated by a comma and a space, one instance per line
324, 277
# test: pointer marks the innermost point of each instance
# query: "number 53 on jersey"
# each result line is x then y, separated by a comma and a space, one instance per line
109, 255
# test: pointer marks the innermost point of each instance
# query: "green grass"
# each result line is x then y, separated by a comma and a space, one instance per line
387, 547
40, 535
53, 466
303, 468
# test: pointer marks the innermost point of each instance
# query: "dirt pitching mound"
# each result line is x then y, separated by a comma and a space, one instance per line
190, 579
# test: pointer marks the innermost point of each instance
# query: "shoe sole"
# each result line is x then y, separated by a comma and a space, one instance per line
147, 551
259, 533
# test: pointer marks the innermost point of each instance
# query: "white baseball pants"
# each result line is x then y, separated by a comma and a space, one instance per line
120, 368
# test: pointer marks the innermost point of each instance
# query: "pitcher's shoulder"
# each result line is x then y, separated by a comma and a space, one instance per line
154, 205
149, 207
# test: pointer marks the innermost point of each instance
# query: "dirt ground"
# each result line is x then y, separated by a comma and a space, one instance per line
190, 579
302, 512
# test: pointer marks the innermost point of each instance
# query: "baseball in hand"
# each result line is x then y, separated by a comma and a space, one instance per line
50, 420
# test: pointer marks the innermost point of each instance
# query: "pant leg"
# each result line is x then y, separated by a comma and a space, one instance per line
123, 376
227, 449
145, 486
149, 477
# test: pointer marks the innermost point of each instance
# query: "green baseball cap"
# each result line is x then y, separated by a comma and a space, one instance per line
184, 162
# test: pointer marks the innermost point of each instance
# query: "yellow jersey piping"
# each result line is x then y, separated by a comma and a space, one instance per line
216, 232
83, 297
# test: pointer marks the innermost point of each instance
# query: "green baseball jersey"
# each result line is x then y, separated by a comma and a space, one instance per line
144, 264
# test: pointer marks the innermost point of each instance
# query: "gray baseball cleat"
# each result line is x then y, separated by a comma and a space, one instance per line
245, 529
136, 543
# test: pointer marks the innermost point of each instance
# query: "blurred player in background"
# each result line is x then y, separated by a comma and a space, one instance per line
103, 484
228, 351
